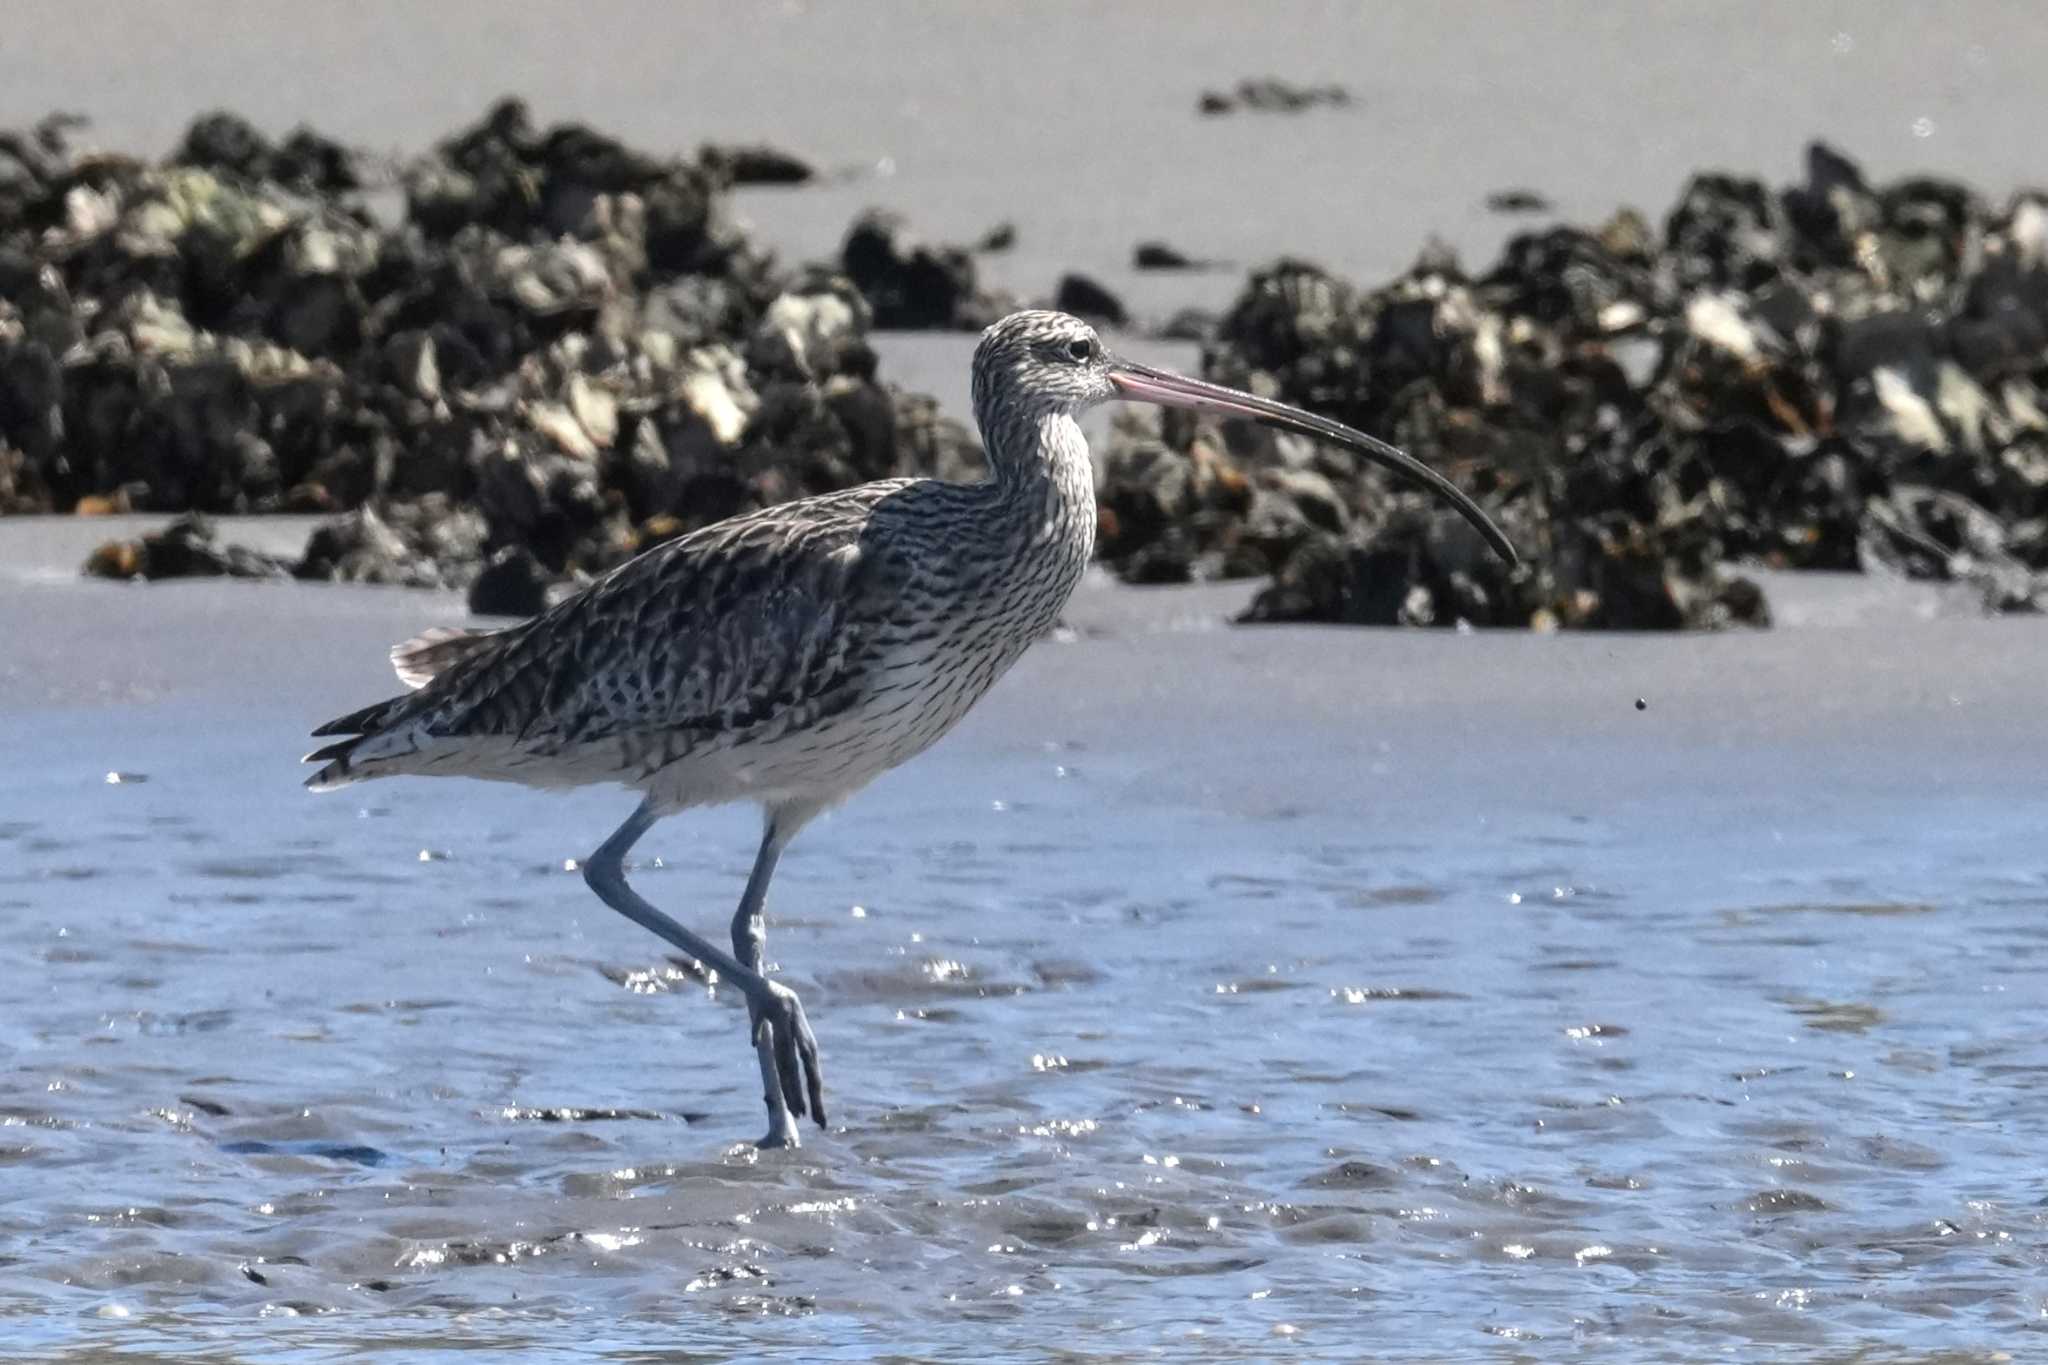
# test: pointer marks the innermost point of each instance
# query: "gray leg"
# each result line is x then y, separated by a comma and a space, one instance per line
778, 1016
749, 938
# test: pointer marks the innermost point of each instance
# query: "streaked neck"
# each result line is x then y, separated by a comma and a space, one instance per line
1043, 483
1027, 450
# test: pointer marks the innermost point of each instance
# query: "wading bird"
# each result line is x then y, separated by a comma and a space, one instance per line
789, 656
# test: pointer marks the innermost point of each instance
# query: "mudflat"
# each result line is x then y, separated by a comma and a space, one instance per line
1211, 983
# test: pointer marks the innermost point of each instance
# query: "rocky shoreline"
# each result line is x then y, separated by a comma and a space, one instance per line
1832, 375
532, 352
559, 353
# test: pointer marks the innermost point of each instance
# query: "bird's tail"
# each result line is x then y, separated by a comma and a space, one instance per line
375, 735
337, 771
380, 736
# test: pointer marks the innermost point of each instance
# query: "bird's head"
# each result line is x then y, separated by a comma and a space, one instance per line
1039, 364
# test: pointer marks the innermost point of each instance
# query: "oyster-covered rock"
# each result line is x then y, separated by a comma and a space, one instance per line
563, 353
907, 282
1838, 375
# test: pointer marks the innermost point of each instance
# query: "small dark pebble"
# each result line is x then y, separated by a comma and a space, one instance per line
1271, 95
755, 165
1001, 237
1160, 256
513, 583
1085, 298
1641, 704
1518, 201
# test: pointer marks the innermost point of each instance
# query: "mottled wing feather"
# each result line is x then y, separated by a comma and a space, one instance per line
732, 627
718, 638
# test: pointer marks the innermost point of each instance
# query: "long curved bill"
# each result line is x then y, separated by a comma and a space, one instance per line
1147, 385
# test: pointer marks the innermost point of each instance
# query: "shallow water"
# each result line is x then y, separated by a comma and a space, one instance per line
1211, 994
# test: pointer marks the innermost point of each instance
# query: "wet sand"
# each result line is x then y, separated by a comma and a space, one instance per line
1212, 992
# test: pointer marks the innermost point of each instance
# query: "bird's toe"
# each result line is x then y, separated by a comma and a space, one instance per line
796, 1057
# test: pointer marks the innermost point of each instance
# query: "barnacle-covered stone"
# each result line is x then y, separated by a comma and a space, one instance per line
556, 357
1838, 375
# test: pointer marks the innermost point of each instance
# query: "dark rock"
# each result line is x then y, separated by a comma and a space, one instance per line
1518, 201
1567, 274
1932, 228
1628, 237
1896, 340
1314, 497
316, 164
1836, 376
867, 414
533, 493
930, 444
803, 440
412, 364
566, 353
359, 547
306, 161
1085, 298
755, 164
512, 583
817, 329
1001, 237
1726, 232
1925, 532
537, 186
1160, 256
423, 544
188, 548
1171, 512
1834, 209
559, 355
2001, 330
1271, 95
908, 284
223, 141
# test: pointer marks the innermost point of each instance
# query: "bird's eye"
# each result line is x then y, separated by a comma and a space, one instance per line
1081, 349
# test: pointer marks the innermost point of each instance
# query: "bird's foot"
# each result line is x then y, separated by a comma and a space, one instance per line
794, 1084
782, 1131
